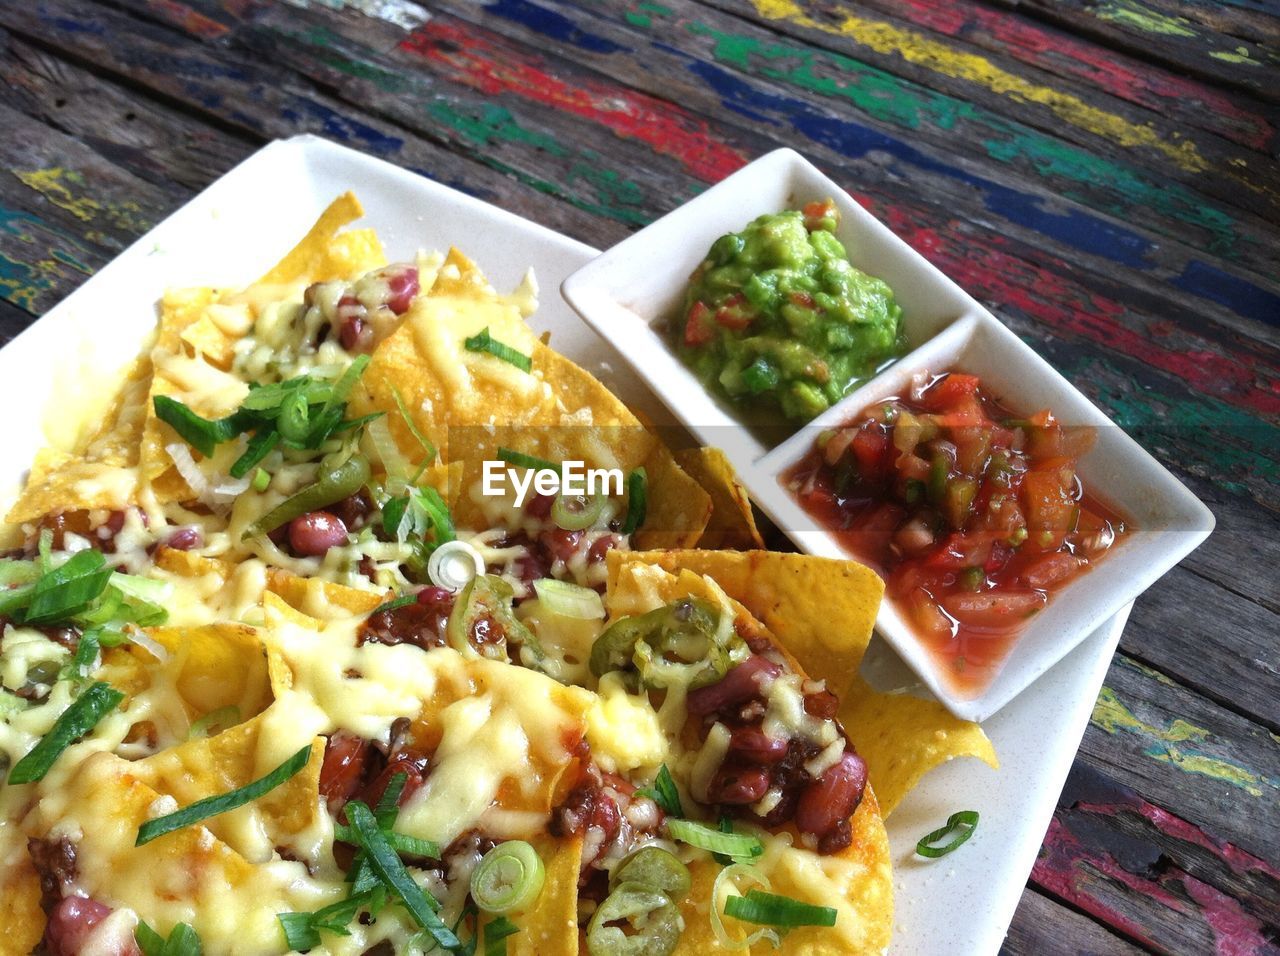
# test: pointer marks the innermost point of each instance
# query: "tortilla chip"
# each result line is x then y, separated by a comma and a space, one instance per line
319, 599
902, 738
733, 523
821, 610
20, 913
551, 927
323, 255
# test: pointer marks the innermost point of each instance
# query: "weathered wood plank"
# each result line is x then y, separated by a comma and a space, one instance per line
1175, 41
1044, 927
1154, 876
1220, 770
257, 98
158, 144
1236, 117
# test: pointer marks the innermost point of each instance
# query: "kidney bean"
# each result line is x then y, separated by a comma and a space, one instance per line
539, 506
833, 796
55, 862
346, 758
559, 544
402, 286
412, 763
753, 746
184, 539
738, 786
836, 839
312, 535
354, 510
824, 705
736, 687
72, 921
602, 546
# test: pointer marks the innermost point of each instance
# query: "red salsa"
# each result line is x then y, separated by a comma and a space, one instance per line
973, 515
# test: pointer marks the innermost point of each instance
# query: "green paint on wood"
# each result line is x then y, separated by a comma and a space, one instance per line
1239, 55
890, 99
24, 282
638, 19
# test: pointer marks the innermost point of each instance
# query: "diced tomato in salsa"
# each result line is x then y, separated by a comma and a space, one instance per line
974, 516
697, 325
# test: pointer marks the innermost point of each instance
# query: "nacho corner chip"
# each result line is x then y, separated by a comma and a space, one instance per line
732, 525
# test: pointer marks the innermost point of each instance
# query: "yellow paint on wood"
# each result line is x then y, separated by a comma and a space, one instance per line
915, 48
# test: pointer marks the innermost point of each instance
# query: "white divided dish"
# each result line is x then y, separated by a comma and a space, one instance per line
232, 232
629, 292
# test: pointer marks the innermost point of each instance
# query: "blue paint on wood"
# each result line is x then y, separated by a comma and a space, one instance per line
1237, 295
554, 25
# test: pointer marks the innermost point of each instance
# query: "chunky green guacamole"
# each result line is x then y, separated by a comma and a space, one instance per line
777, 318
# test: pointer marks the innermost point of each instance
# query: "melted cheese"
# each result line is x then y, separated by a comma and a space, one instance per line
623, 729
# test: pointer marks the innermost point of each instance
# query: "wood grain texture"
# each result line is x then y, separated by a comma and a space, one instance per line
1101, 173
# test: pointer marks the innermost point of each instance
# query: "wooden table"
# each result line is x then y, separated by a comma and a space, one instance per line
1101, 173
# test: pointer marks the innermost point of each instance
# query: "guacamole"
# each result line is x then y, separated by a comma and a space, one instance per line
777, 318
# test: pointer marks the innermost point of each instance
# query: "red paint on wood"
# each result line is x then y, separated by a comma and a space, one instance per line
473, 59
189, 20
1056, 302
1142, 84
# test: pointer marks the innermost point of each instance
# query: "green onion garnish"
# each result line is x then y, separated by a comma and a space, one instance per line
637, 500
400, 842
182, 941
212, 806
403, 600
508, 878
261, 480
495, 936
769, 909
76, 721
521, 460
85, 656
68, 589
960, 826
224, 718
484, 342
390, 871
736, 845
302, 930
664, 793
260, 445
422, 439
202, 434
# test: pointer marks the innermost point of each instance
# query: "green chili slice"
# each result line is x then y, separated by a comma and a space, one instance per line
637, 501
334, 485
76, 721
653, 920
959, 826
656, 868
212, 806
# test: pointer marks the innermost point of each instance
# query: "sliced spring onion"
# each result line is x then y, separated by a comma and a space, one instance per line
68, 589
221, 719
261, 480
637, 501
427, 447
532, 462
402, 843
569, 600
294, 420
302, 930
664, 792
390, 871
737, 845
769, 909
259, 447
403, 600
85, 657
959, 826
508, 879
183, 941
212, 806
454, 565
76, 721
576, 512
495, 936
731, 874
18, 572
482, 341
200, 433
388, 807
386, 450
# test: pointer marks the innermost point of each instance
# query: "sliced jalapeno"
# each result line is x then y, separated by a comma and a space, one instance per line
333, 485
675, 644
634, 920
487, 595
654, 867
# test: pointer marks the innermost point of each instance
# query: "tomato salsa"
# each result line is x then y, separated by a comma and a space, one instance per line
974, 515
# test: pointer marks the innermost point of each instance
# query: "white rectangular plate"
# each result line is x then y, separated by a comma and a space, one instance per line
234, 230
